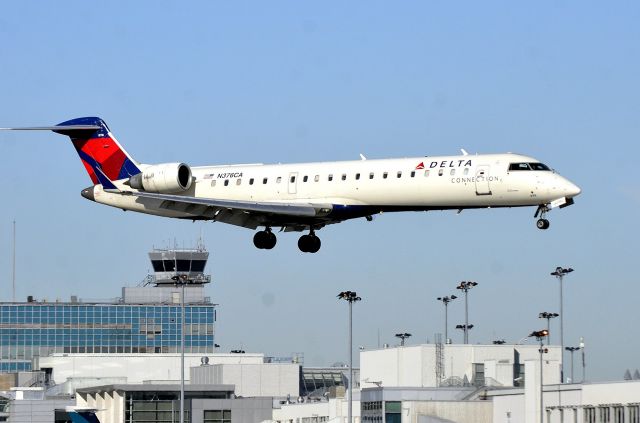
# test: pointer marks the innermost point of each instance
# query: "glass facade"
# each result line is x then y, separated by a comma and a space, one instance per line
40, 329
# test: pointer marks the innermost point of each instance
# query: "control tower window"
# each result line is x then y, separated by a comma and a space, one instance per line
198, 265
169, 265
157, 265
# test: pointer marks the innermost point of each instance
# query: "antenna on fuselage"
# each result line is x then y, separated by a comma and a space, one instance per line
464, 152
362, 157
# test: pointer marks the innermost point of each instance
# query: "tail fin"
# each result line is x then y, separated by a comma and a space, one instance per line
98, 149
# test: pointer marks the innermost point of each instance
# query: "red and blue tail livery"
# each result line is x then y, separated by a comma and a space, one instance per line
99, 151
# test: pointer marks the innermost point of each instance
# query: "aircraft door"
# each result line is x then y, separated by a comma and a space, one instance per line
293, 181
482, 180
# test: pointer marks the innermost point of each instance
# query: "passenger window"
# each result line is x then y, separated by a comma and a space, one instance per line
226, 182
264, 181
441, 172
293, 179
371, 175
413, 173
238, 181
278, 179
399, 174
251, 181
453, 172
426, 173
305, 179
330, 178
344, 176
317, 178
384, 175
213, 183
466, 171
357, 176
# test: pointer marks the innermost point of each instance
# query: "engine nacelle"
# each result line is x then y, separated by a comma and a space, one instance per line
164, 178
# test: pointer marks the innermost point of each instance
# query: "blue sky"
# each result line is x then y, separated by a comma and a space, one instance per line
243, 82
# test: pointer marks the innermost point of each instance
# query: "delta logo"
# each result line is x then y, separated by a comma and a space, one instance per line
420, 166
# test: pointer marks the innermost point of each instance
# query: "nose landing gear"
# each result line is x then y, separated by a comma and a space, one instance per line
265, 240
309, 243
542, 223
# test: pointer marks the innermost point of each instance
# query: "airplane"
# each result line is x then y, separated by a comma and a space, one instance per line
308, 196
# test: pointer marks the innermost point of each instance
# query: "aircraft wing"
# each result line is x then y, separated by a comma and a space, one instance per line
250, 214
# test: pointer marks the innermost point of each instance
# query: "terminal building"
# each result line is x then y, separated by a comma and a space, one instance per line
144, 320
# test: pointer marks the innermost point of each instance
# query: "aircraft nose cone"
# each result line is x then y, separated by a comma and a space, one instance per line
573, 189
88, 194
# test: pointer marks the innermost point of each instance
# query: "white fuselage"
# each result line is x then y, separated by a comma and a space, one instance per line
422, 183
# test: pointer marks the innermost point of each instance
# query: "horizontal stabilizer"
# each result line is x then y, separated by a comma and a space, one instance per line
55, 128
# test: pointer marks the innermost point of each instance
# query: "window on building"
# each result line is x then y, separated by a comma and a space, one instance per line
634, 413
478, 374
217, 416
393, 411
604, 414
618, 414
589, 415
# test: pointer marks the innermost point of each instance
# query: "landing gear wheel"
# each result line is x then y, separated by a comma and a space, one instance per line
309, 244
542, 224
265, 240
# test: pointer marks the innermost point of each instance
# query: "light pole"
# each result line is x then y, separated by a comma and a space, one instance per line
446, 300
181, 280
351, 297
572, 350
465, 286
540, 335
583, 364
402, 337
465, 328
547, 315
560, 273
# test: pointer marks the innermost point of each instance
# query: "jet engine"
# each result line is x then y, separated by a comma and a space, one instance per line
163, 178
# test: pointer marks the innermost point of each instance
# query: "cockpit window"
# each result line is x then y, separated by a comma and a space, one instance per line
528, 166
539, 166
519, 166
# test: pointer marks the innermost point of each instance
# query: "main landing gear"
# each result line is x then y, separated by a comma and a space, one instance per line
542, 223
265, 240
309, 243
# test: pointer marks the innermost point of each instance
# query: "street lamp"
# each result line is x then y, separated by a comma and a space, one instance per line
560, 273
446, 300
181, 280
540, 335
402, 337
572, 350
547, 315
351, 297
583, 364
465, 286
465, 328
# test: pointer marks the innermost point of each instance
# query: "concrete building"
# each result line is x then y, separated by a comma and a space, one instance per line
26, 405
433, 365
161, 404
